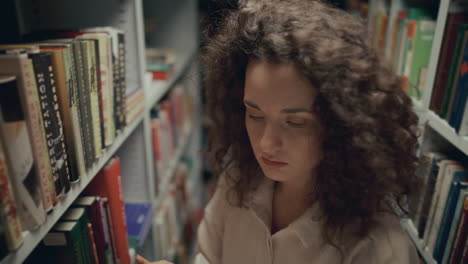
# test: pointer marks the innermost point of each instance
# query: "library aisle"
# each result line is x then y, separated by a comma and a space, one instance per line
102, 126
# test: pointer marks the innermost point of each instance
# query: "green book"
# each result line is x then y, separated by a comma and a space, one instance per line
419, 46
79, 215
65, 241
456, 60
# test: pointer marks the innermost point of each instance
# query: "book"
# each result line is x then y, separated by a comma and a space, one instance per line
454, 224
20, 131
139, 218
452, 172
108, 230
88, 50
37, 135
421, 218
79, 215
94, 212
461, 236
454, 20
419, 45
64, 241
459, 182
3, 243
441, 175
462, 37
67, 96
457, 105
52, 122
108, 184
105, 71
11, 223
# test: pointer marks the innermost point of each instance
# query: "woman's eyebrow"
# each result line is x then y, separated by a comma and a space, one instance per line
251, 105
295, 110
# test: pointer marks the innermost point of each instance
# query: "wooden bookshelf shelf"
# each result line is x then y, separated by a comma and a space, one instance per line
33, 238
413, 233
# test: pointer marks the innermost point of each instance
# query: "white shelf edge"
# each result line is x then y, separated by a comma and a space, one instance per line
163, 186
157, 89
33, 238
408, 225
446, 131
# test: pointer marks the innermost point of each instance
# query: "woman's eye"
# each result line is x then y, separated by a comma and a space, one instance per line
295, 123
255, 117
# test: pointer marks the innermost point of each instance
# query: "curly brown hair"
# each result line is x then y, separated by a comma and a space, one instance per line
369, 153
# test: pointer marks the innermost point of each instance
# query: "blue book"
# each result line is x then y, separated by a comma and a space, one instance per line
139, 217
459, 182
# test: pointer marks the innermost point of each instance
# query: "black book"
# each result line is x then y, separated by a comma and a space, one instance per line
3, 241
120, 87
51, 120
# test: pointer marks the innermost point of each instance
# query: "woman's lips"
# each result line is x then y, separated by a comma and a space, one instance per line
273, 163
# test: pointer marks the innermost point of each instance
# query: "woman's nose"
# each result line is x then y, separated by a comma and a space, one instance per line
270, 141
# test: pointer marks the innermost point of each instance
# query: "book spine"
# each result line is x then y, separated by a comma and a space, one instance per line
46, 117
20, 144
55, 137
66, 246
108, 184
94, 98
69, 110
93, 244
461, 237
111, 254
116, 84
3, 240
79, 52
12, 227
108, 101
122, 80
98, 84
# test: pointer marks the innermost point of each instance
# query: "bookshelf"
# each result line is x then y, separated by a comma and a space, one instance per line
422, 106
178, 29
32, 239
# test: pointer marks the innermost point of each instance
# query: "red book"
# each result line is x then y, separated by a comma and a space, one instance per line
107, 183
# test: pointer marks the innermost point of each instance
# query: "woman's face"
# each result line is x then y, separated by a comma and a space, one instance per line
284, 132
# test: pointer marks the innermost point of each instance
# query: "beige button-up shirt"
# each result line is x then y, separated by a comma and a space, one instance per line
233, 235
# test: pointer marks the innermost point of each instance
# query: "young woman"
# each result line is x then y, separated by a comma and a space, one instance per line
313, 138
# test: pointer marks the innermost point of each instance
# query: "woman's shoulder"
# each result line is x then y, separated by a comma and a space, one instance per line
387, 242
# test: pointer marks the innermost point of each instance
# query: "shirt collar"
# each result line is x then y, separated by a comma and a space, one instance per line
307, 227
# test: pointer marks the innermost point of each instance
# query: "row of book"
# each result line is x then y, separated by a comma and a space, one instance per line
408, 51
62, 103
160, 63
409, 44
170, 121
450, 92
440, 212
92, 230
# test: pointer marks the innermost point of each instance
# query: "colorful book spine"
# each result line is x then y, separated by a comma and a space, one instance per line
65, 242
51, 121
108, 184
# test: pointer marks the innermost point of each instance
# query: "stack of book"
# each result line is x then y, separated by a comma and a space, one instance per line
440, 212
94, 229
63, 103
